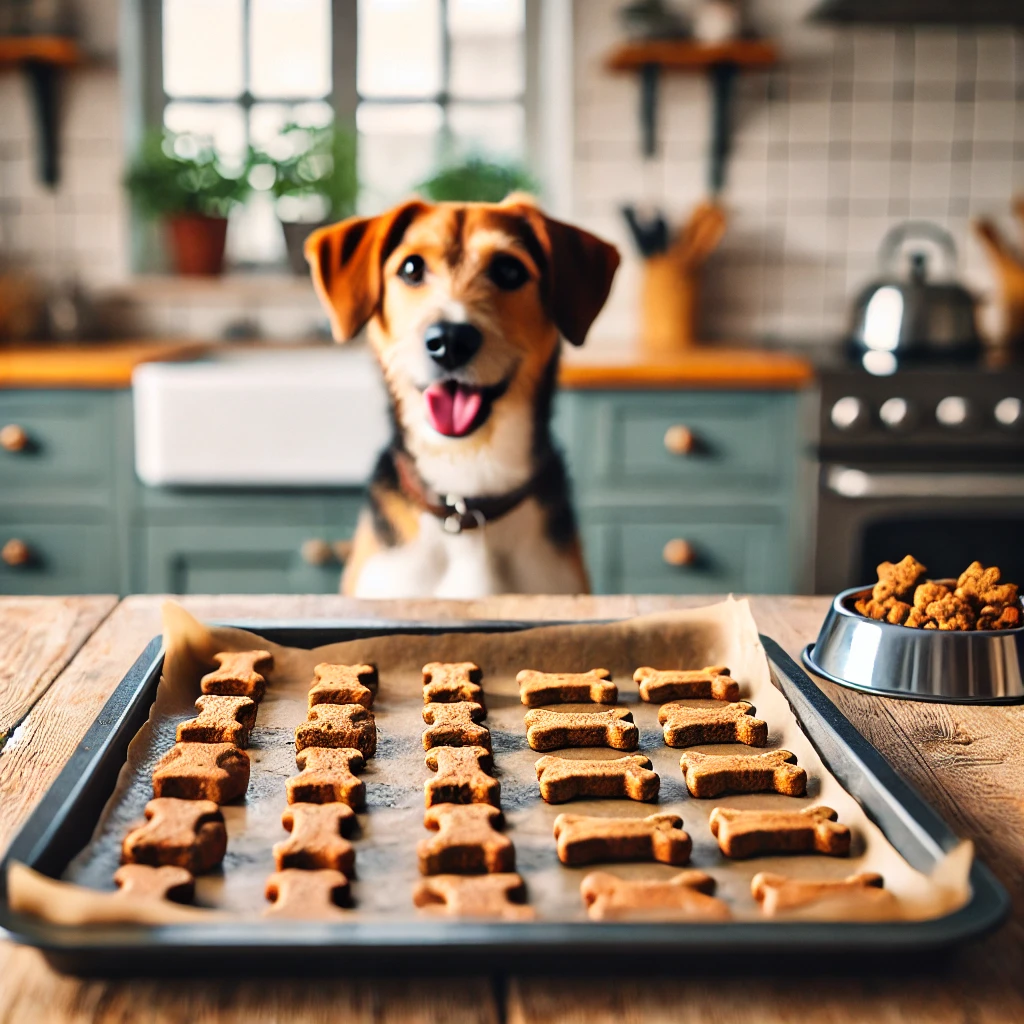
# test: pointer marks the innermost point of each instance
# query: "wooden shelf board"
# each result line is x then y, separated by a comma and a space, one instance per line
688, 55
61, 50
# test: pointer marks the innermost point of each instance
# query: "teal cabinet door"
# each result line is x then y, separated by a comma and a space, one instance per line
56, 557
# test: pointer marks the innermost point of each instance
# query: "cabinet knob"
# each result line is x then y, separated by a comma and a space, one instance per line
678, 552
317, 551
679, 440
16, 553
13, 438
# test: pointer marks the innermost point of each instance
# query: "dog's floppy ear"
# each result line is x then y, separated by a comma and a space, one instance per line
347, 262
579, 272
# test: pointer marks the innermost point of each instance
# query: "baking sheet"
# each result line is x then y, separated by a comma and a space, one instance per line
386, 866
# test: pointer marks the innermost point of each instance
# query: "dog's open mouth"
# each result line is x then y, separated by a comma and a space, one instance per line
456, 410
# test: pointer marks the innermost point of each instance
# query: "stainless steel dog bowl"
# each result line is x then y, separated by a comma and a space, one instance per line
980, 667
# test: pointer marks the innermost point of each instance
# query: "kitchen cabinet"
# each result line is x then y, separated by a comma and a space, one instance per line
677, 491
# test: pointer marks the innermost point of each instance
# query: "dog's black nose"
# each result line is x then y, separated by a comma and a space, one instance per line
452, 345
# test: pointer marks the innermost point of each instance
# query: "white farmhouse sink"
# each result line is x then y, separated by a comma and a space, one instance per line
303, 418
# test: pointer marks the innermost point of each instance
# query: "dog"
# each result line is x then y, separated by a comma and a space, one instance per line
465, 305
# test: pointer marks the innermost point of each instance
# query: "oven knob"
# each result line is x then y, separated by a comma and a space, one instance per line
1008, 412
848, 413
952, 411
895, 413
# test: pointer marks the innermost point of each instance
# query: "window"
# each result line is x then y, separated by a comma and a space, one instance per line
426, 81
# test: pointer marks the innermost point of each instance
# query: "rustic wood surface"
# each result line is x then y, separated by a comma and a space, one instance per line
968, 762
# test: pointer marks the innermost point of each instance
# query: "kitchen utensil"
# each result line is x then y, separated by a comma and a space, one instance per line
1008, 264
913, 316
973, 667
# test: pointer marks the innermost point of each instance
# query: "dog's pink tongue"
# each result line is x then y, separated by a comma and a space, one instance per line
452, 411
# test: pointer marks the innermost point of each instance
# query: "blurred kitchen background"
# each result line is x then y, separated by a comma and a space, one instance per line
810, 360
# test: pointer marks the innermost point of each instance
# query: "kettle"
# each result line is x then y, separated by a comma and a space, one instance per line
913, 318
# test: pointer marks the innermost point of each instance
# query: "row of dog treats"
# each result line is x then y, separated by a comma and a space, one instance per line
184, 833
585, 839
315, 863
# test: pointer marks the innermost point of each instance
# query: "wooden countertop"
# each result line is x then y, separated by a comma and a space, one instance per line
61, 657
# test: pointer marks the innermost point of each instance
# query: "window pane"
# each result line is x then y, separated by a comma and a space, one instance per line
290, 48
398, 145
486, 48
495, 129
267, 119
399, 48
222, 124
202, 47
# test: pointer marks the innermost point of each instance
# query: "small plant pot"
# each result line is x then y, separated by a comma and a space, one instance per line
197, 243
295, 235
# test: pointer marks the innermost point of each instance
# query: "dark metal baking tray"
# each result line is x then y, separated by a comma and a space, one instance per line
64, 820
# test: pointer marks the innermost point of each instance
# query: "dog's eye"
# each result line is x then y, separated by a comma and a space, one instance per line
412, 269
508, 273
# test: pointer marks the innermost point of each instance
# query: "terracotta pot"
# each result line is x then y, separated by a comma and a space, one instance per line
197, 243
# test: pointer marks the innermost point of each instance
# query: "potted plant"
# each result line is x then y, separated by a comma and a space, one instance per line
316, 182
181, 180
476, 179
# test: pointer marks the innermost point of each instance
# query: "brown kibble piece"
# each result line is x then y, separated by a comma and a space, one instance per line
455, 725
202, 771
583, 839
712, 682
184, 833
918, 620
976, 581
467, 841
742, 834
338, 725
898, 612
926, 593
220, 720
687, 726
461, 777
685, 897
593, 687
239, 674
145, 882
775, 771
553, 730
316, 838
449, 682
852, 896
1004, 618
301, 895
497, 895
326, 777
342, 684
898, 579
563, 778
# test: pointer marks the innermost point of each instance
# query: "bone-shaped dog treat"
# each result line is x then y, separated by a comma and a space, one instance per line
307, 895
185, 833
684, 897
466, 842
712, 682
562, 778
774, 771
553, 730
583, 839
500, 895
202, 771
447, 682
144, 882
537, 688
343, 684
316, 838
461, 777
221, 720
743, 834
862, 893
326, 777
687, 726
455, 725
338, 725
239, 674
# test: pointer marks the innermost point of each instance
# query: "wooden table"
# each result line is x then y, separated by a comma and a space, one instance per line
61, 657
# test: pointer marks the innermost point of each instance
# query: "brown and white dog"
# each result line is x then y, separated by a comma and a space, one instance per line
465, 305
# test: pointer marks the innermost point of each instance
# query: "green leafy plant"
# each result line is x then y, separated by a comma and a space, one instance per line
320, 163
173, 175
477, 180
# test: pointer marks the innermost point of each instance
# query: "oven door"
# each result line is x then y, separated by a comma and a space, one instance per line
946, 517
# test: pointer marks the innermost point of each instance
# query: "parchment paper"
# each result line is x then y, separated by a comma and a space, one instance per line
392, 824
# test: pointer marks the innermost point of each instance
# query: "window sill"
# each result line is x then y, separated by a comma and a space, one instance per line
226, 289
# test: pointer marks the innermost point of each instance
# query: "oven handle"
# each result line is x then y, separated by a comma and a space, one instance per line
856, 483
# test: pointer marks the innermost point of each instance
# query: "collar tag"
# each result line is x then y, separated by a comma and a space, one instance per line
461, 516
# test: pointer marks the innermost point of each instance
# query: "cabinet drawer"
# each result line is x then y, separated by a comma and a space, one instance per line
55, 439
61, 558
723, 441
